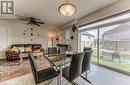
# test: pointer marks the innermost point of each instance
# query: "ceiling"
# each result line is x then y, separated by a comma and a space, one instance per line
47, 10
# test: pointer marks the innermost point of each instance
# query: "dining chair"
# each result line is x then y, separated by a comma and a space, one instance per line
62, 50
52, 51
75, 69
42, 75
86, 48
86, 64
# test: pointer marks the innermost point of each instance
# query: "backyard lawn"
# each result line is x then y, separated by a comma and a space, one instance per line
118, 65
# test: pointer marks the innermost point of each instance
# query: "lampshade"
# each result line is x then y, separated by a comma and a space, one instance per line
67, 9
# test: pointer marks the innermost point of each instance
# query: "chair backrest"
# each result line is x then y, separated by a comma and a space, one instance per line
86, 61
87, 48
52, 50
76, 66
33, 66
62, 50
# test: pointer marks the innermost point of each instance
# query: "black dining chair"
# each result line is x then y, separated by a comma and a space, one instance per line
62, 50
42, 75
75, 69
52, 51
86, 64
86, 48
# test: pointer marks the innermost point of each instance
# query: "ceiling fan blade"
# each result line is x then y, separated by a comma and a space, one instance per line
36, 24
41, 22
36, 19
23, 19
19, 16
29, 23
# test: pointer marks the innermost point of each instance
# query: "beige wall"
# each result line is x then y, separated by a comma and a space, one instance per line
12, 33
72, 42
121, 5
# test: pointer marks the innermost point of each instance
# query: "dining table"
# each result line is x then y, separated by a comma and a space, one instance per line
59, 61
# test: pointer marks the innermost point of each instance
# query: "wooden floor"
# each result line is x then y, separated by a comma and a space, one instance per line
28, 80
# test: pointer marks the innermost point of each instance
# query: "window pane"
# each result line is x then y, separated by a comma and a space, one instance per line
89, 40
115, 46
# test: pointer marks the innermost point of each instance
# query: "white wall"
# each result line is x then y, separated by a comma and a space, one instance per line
120, 6
12, 33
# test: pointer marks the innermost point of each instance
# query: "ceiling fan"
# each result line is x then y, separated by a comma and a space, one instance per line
31, 20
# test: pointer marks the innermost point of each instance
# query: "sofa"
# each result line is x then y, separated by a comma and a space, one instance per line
20, 51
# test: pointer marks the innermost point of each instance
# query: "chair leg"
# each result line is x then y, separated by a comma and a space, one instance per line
58, 80
46, 83
49, 82
86, 79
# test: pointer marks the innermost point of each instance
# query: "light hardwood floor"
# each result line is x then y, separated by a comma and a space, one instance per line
28, 80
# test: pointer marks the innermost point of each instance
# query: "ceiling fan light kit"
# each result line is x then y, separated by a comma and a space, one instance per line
67, 9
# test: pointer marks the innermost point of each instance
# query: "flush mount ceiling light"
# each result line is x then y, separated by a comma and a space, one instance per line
67, 9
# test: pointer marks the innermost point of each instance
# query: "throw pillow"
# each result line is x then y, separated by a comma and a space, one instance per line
21, 49
28, 49
15, 49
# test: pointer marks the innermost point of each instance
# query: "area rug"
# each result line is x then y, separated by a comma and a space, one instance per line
9, 70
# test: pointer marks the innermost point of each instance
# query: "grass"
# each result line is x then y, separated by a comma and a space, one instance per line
118, 65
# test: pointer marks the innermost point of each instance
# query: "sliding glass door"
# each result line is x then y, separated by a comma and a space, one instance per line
89, 40
115, 46
110, 44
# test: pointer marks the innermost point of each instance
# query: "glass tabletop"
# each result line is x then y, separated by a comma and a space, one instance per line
58, 60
